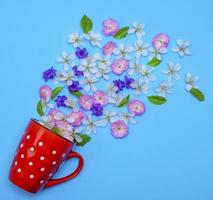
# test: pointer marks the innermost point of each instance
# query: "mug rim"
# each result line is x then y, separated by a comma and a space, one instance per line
37, 122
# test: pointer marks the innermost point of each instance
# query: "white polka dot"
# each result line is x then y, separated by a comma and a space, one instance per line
63, 155
42, 158
32, 149
30, 163
41, 181
50, 174
18, 170
40, 144
21, 145
54, 152
54, 162
16, 163
31, 176
42, 169
28, 137
22, 155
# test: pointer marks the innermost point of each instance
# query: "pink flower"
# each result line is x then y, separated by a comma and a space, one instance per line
119, 129
110, 26
86, 101
108, 48
56, 114
161, 40
45, 92
75, 118
136, 107
62, 125
100, 97
119, 65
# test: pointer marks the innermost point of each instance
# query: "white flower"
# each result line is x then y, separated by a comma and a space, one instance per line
164, 88
48, 121
137, 29
173, 71
72, 134
103, 72
76, 39
46, 104
66, 59
140, 86
111, 89
88, 66
103, 61
182, 48
128, 117
134, 67
141, 49
67, 76
190, 81
88, 83
108, 117
90, 124
70, 102
147, 74
116, 99
94, 38
156, 53
123, 51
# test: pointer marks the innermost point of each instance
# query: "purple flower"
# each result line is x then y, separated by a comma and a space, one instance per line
74, 87
119, 84
49, 74
97, 109
76, 72
81, 53
60, 101
128, 82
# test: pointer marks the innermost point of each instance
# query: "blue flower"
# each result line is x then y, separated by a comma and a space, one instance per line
119, 84
81, 53
74, 87
97, 109
128, 82
77, 72
49, 74
60, 101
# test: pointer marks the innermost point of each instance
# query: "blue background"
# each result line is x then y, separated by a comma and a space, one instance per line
167, 155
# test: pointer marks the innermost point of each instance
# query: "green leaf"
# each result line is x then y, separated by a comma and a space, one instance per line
85, 139
40, 108
157, 100
154, 62
124, 102
86, 24
56, 130
77, 93
56, 91
197, 94
121, 33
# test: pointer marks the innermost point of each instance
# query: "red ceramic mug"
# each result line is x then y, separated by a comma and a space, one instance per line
38, 156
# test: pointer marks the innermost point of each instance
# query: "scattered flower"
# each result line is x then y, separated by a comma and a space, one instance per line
77, 72
90, 124
100, 97
108, 48
136, 107
141, 49
97, 109
81, 53
182, 48
74, 87
75, 118
86, 101
161, 40
76, 39
157, 53
88, 66
110, 27
67, 76
164, 88
134, 67
89, 83
128, 117
70, 102
45, 92
103, 72
119, 129
94, 38
190, 81
119, 84
146, 73
66, 59
173, 71
119, 66
49, 74
128, 82
137, 29
140, 86
60, 101
108, 117
123, 51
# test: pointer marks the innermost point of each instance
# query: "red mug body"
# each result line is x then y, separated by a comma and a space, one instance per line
38, 156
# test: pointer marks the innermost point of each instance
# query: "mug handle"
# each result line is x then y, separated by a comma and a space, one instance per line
72, 154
